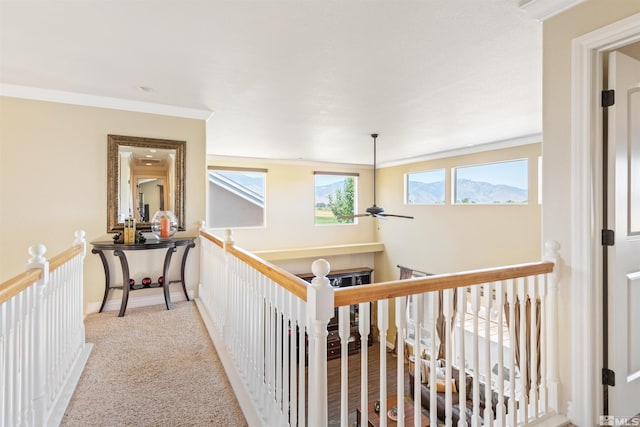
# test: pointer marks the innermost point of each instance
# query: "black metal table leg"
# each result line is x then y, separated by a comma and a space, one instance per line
125, 280
165, 274
182, 268
107, 277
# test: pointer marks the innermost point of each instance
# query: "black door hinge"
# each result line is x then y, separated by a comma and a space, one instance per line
608, 377
608, 238
608, 98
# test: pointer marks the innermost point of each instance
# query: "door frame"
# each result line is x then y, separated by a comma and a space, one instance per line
586, 212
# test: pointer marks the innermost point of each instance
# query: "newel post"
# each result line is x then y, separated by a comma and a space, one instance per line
553, 379
39, 406
320, 299
80, 241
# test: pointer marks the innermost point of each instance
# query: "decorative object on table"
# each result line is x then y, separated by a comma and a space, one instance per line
164, 224
393, 413
146, 281
133, 285
129, 231
160, 280
117, 238
376, 406
140, 237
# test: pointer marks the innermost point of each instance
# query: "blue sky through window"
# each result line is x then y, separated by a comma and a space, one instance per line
513, 173
428, 177
328, 179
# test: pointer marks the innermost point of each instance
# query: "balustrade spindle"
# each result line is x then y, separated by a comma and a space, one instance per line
383, 326
488, 300
462, 314
500, 408
515, 389
344, 332
475, 309
401, 330
532, 355
363, 329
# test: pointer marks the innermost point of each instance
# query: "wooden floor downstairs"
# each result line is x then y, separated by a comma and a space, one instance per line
333, 388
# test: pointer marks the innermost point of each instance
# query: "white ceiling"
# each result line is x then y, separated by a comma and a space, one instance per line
305, 79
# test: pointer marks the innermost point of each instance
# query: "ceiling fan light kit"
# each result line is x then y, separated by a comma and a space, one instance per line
375, 210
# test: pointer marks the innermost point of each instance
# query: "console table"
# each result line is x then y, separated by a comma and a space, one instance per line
120, 249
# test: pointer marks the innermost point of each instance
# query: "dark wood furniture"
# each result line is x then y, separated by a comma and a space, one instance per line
120, 249
340, 279
373, 417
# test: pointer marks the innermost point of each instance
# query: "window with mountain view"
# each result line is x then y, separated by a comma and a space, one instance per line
492, 183
335, 196
236, 197
425, 188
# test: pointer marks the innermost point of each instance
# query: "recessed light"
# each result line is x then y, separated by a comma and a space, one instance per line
149, 156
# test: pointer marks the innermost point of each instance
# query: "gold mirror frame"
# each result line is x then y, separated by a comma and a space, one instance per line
114, 142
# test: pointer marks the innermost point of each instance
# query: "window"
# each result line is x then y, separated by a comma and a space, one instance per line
493, 183
236, 197
335, 196
425, 188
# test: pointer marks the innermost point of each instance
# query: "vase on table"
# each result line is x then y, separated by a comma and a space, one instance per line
164, 224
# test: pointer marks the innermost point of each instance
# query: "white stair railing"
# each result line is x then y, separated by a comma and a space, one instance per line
42, 339
270, 330
490, 336
490, 359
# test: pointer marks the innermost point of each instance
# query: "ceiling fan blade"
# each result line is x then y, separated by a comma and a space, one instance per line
352, 216
396, 216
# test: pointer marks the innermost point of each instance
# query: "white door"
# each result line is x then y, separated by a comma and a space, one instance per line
624, 218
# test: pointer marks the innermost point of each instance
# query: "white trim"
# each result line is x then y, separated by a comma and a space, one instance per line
480, 148
213, 159
86, 100
242, 393
544, 9
59, 406
586, 200
496, 145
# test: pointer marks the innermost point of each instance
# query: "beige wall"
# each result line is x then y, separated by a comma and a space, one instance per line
53, 172
558, 33
290, 208
449, 238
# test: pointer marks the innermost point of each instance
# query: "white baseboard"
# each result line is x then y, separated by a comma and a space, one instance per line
66, 393
242, 394
140, 300
552, 420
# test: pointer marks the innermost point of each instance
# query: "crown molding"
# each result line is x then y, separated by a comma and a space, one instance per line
545, 9
86, 100
497, 145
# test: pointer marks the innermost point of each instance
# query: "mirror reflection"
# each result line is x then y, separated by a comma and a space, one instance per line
145, 175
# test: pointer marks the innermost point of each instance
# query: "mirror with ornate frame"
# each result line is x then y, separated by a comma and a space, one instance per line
144, 175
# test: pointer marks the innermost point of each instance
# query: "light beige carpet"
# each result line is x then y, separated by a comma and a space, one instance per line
152, 367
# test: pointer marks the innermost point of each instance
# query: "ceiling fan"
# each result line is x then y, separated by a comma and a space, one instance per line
374, 211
